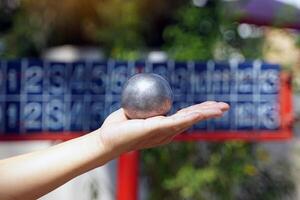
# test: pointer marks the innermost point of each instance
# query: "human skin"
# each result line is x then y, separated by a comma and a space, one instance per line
33, 175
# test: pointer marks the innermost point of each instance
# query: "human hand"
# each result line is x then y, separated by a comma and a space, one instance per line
47, 169
119, 134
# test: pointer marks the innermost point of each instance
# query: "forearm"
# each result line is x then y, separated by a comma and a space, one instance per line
32, 175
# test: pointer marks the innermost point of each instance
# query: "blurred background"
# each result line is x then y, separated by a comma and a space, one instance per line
182, 30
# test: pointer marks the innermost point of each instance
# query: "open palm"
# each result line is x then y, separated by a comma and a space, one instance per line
123, 134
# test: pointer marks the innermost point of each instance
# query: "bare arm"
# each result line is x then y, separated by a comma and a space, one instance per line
33, 175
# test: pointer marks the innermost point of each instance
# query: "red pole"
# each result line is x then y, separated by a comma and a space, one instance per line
127, 177
286, 101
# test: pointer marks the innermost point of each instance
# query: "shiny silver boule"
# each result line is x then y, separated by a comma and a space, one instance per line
146, 95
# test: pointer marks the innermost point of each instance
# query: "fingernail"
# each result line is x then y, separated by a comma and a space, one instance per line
223, 105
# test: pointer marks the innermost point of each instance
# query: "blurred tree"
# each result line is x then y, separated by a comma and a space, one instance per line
41, 24
206, 33
155, 16
195, 34
281, 46
209, 170
120, 32
6, 13
113, 25
7, 10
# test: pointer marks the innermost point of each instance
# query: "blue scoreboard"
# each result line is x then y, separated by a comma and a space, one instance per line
39, 96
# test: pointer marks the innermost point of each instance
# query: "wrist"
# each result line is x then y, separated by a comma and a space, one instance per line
104, 151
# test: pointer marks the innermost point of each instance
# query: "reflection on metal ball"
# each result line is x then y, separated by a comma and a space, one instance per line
146, 95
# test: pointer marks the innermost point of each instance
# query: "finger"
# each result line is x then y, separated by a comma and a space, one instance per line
164, 129
208, 104
221, 105
178, 122
200, 105
203, 114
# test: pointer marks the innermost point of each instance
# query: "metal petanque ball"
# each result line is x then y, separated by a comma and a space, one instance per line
146, 95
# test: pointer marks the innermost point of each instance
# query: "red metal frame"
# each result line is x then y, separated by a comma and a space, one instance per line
286, 112
285, 131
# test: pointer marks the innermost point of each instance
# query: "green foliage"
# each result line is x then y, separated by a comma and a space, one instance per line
195, 35
161, 164
113, 25
298, 41
121, 28
134, 26
189, 180
23, 39
206, 33
120, 31
223, 171
226, 171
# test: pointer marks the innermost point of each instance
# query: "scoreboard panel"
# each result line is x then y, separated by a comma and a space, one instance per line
59, 99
